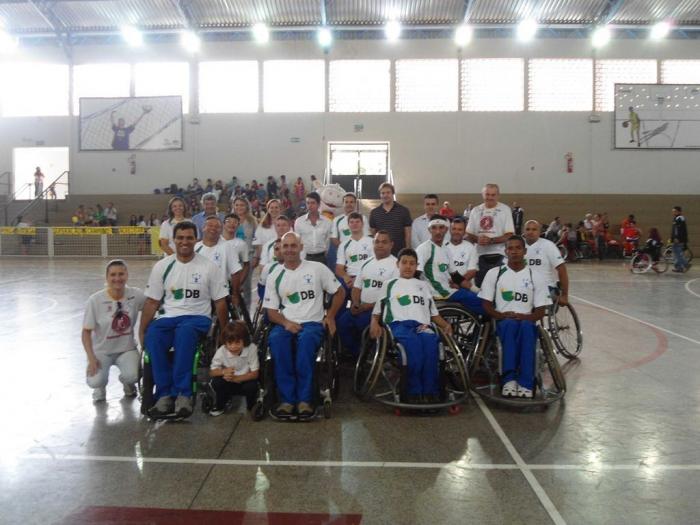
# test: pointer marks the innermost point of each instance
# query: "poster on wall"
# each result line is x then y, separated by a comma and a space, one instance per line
131, 124
657, 116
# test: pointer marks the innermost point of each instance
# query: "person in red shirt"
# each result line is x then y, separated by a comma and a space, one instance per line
446, 211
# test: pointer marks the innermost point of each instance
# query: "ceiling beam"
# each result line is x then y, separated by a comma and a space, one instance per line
612, 7
183, 9
468, 5
324, 13
44, 8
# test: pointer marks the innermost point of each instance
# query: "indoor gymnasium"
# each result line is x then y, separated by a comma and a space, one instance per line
349, 261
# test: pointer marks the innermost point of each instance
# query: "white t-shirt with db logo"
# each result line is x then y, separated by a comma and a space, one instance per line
462, 256
372, 277
186, 288
435, 263
520, 292
353, 254
406, 300
298, 294
492, 222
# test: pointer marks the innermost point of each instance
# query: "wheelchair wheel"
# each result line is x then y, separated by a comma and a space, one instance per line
465, 326
557, 387
328, 368
147, 385
369, 363
454, 366
660, 266
327, 410
258, 411
565, 329
640, 263
207, 404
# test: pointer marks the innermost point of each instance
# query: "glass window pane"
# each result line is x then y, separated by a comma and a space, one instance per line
228, 87
155, 79
560, 85
100, 80
427, 85
344, 163
373, 163
291, 86
611, 72
680, 71
359, 85
30, 89
493, 84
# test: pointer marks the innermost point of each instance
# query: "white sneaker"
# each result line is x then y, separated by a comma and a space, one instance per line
99, 394
216, 412
524, 392
510, 389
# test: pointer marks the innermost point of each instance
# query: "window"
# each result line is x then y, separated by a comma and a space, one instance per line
611, 72
560, 85
493, 84
359, 85
680, 71
156, 79
228, 87
34, 89
100, 80
426, 85
291, 86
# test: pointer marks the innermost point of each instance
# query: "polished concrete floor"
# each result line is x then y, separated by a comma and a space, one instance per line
622, 448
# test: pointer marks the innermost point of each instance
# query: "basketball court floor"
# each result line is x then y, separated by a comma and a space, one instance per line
622, 448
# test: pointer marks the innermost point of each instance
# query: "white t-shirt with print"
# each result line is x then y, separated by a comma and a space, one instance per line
298, 294
492, 222
520, 292
436, 266
462, 256
268, 252
246, 361
186, 288
223, 254
112, 334
406, 300
543, 257
341, 230
267, 270
240, 248
420, 232
373, 274
262, 235
354, 253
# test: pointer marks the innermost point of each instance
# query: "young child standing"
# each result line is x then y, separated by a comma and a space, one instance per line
234, 368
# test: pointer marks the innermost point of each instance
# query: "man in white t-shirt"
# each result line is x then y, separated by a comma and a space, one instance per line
314, 230
341, 231
367, 290
516, 297
544, 257
220, 252
181, 288
294, 303
461, 252
439, 271
282, 225
490, 224
354, 252
419, 228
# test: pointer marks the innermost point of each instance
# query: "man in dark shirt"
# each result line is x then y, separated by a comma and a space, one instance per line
392, 217
679, 238
518, 218
122, 131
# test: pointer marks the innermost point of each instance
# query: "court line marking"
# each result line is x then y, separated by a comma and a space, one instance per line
593, 467
687, 287
539, 491
632, 318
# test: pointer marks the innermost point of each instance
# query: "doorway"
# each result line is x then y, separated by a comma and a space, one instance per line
359, 167
52, 161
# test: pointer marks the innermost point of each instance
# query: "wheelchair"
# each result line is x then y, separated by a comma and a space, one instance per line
643, 261
381, 373
326, 375
564, 328
484, 370
466, 327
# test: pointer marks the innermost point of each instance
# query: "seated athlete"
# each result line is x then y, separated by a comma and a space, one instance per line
516, 297
439, 271
407, 309
294, 303
270, 266
367, 289
544, 258
183, 286
462, 253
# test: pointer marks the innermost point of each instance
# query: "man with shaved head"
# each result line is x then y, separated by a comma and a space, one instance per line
543, 257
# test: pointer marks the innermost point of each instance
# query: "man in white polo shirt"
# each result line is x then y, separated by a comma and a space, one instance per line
314, 229
490, 224
419, 229
516, 297
367, 290
182, 285
544, 257
222, 253
461, 252
341, 231
294, 303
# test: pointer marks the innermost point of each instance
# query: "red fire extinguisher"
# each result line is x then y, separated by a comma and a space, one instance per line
569, 162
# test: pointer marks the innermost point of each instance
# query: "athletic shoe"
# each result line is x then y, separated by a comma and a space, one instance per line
163, 407
510, 389
183, 406
283, 411
99, 394
305, 411
524, 392
130, 390
216, 412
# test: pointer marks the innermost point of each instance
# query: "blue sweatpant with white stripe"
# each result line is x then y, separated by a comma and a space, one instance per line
422, 354
518, 339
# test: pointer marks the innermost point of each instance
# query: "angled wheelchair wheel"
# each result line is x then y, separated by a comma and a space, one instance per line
551, 380
147, 385
640, 263
465, 326
369, 364
457, 383
565, 329
330, 366
660, 266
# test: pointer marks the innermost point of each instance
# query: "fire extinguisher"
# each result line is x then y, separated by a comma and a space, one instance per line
569, 162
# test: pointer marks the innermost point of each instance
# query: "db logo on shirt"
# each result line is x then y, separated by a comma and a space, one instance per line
405, 300
509, 295
534, 262
297, 297
181, 293
359, 257
371, 283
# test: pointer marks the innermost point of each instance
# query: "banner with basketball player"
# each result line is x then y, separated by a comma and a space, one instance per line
657, 116
131, 124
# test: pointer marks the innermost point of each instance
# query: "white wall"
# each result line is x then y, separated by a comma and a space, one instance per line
446, 152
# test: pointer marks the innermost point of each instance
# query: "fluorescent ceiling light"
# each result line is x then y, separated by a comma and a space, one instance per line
527, 29
392, 30
261, 33
463, 35
132, 36
601, 36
